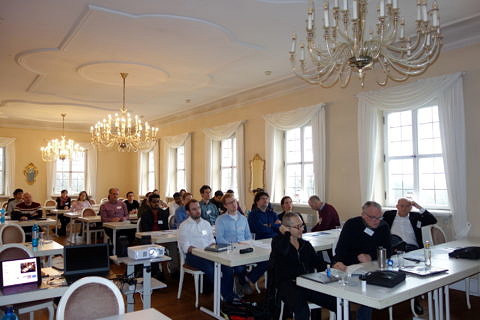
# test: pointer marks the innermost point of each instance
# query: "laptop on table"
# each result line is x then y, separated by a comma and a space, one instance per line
20, 275
85, 260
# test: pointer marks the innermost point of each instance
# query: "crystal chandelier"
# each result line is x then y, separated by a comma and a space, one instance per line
60, 149
347, 46
122, 133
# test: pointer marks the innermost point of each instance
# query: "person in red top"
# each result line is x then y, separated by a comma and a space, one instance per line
327, 215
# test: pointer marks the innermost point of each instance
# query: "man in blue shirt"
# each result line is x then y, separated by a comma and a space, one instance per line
263, 221
209, 209
181, 214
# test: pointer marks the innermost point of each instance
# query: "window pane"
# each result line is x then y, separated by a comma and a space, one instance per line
429, 131
400, 178
399, 133
70, 174
293, 183
293, 146
226, 178
432, 182
307, 144
227, 152
180, 158
309, 181
180, 179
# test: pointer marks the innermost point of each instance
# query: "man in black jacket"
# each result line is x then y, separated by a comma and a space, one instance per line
153, 217
408, 225
291, 257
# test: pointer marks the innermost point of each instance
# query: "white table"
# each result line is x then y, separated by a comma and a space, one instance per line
159, 237
48, 248
380, 298
29, 223
124, 225
57, 212
147, 314
148, 284
261, 252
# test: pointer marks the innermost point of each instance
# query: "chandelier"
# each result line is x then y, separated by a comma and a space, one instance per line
60, 149
347, 46
122, 133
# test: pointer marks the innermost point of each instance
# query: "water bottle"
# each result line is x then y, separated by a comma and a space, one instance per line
2, 216
427, 251
35, 234
9, 314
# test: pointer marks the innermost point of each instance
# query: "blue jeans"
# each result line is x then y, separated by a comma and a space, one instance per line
207, 267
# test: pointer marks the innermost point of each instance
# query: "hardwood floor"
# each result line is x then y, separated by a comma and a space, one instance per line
165, 300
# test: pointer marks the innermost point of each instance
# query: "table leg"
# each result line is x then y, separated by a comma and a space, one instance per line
430, 306
447, 303
217, 274
339, 308
56, 224
346, 309
147, 285
437, 306
440, 302
86, 227
130, 296
114, 241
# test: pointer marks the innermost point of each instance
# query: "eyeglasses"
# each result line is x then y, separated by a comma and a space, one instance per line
373, 217
298, 227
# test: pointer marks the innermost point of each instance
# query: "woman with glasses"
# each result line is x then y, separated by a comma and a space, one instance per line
291, 257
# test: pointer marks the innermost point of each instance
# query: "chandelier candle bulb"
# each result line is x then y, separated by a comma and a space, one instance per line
382, 8
310, 19
424, 12
435, 20
302, 53
335, 3
402, 28
419, 11
345, 5
294, 44
325, 15
354, 10
395, 4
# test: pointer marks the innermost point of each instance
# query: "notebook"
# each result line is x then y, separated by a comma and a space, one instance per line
423, 271
20, 275
85, 260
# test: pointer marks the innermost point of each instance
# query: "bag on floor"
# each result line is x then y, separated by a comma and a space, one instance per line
238, 310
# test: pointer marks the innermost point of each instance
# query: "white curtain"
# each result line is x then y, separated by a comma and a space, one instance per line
276, 124
143, 168
447, 91
170, 144
217, 134
91, 178
9, 166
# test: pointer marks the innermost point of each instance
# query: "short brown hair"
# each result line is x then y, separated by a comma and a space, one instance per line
227, 196
187, 205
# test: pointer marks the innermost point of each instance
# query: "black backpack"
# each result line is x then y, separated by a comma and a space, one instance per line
472, 253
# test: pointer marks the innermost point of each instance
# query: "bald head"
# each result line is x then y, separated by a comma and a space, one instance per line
403, 207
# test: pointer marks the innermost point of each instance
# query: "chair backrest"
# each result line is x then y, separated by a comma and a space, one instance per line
138, 224
92, 201
11, 233
434, 234
14, 251
171, 221
88, 212
103, 200
91, 298
50, 203
5, 204
181, 254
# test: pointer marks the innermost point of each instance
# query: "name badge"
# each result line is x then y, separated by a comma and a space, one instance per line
369, 231
160, 222
209, 211
118, 208
419, 224
204, 232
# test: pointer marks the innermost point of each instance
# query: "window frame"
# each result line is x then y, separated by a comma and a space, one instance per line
179, 186
232, 167
416, 157
302, 162
69, 189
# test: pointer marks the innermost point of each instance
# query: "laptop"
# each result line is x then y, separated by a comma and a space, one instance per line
20, 275
85, 260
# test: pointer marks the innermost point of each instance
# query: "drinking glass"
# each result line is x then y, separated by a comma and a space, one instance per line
400, 260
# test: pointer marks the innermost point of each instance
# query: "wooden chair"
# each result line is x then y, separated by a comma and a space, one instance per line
5, 204
92, 201
50, 203
14, 251
89, 212
91, 298
197, 276
103, 200
11, 233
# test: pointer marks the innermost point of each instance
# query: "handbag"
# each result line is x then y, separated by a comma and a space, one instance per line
388, 279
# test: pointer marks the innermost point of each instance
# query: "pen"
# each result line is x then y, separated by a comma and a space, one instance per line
413, 259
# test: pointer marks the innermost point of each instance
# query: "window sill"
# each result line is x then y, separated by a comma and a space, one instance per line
435, 212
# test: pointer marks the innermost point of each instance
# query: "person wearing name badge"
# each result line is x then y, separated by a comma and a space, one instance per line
17, 198
63, 203
115, 210
359, 240
131, 203
181, 213
262, 220
209, 209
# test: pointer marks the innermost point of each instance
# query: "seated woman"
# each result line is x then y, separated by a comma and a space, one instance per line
83, 201
291, 257
63, 203
287, 206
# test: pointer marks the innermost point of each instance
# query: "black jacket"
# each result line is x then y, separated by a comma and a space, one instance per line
146, 224
288, 263
425, 219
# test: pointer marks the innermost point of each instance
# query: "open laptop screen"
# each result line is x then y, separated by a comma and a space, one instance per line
20, 272
86, 259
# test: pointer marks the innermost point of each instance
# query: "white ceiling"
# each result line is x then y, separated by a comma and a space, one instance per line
66, 55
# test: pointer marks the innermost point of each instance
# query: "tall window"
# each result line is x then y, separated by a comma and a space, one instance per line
414, 158
2, 170
71, 174
150, 170
299, 177
228, 164
180, 168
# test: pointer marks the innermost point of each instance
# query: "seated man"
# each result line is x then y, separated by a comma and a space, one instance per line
196, 232
359, 240
291, 257
232, 227
209, 209
327, 215
262, 220
181, 213
63, 203
27, 209
408, 225
177, 202
12, 203
131, 203
115, 210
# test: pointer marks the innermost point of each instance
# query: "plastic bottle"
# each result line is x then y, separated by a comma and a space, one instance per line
2, 216
427, 251
35, 235
9, 314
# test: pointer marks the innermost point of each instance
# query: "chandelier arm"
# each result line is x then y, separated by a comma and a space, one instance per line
421, 62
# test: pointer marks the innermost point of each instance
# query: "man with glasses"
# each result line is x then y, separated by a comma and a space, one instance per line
291, 257
359, 240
